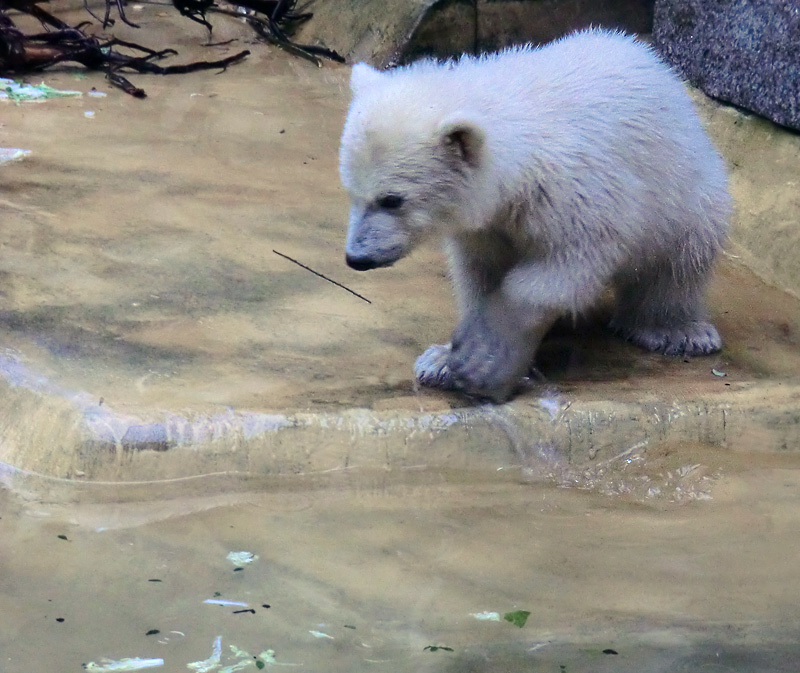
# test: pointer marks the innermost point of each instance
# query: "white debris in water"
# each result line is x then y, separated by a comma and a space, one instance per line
212, 662
246, 660
132, 664
222, 601
88, 114
239, 558
320, 634
537, 646
486, 616
686, 470
268, 657
94, 93
12, 154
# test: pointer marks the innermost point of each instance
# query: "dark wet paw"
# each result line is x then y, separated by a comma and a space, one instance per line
485, 363
431, 368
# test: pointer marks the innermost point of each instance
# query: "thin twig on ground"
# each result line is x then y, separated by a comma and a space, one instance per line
324, 277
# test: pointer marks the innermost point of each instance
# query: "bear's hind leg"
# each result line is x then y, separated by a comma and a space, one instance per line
664, 312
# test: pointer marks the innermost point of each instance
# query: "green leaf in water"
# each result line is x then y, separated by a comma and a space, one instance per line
518, 617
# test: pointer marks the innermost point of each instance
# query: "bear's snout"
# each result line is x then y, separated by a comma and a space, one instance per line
362, 263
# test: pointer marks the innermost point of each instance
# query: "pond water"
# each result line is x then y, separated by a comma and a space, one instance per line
368, 575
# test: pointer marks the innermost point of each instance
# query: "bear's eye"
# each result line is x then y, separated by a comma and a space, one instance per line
390, 202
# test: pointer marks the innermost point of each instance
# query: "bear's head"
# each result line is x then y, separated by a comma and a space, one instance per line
409, 158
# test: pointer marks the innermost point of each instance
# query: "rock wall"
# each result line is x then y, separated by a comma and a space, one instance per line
745, 52
386, 33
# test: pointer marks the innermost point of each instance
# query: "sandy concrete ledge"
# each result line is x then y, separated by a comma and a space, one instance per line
68, 449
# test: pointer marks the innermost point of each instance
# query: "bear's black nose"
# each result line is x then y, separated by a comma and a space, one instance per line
361, 263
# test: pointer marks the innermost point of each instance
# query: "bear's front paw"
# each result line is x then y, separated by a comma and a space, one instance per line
485, 362
431, 367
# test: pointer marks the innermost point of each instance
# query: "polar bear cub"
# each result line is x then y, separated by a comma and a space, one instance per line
552, 174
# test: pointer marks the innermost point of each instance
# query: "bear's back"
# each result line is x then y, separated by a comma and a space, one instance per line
574, 74
592, 95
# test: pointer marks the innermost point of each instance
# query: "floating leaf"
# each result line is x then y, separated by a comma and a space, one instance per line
716, 372
518, 617
436, 648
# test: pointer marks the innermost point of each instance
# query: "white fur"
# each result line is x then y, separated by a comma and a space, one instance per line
552, 173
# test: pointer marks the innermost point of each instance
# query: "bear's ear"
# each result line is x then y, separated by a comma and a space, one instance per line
464, 136
362, 77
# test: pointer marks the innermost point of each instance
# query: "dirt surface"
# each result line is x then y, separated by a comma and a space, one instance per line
138, 260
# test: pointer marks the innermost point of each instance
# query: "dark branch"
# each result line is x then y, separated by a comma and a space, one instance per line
273, 20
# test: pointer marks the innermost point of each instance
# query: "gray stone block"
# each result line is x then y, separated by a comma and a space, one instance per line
745, 52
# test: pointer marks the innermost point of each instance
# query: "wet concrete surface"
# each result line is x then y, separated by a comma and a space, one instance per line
150, 331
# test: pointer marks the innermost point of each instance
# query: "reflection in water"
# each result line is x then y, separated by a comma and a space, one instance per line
365, 575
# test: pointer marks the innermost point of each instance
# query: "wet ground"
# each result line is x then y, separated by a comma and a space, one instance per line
139, 256
139, 281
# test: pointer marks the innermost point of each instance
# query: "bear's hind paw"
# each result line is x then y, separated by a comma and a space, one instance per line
695, 338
